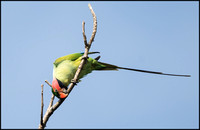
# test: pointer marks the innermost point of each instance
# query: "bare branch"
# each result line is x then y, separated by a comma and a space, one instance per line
48, 83
84, 36
42, 106
51, 108
51, 101
94, 25
52, 97
50, 111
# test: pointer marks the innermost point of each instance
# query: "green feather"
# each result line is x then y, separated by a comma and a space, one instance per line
71, 57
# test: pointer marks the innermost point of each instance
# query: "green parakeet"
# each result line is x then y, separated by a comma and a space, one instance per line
64, 69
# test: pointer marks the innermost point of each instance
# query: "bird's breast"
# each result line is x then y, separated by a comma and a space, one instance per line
65, 71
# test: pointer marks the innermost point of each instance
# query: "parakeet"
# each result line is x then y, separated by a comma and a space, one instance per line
64, 69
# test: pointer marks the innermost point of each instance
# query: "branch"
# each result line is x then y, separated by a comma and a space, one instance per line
48, 83
51, 101
42, 106
52, 97
84, 36
51, 108
94, 25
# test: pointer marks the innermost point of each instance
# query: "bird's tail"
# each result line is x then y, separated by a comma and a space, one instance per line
106, 66
114, 67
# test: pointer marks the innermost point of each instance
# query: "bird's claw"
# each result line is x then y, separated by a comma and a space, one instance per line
64, 90
74, 82
85, 57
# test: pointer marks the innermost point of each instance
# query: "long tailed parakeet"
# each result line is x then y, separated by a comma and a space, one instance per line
65, 68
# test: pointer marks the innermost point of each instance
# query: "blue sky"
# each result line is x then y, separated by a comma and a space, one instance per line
157, 36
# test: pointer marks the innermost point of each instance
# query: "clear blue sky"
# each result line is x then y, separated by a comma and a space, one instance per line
157, 36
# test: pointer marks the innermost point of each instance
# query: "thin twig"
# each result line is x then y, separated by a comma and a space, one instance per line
42, 106
51, 101
52, 97
84, 36
51, 109
94, 25
48, 83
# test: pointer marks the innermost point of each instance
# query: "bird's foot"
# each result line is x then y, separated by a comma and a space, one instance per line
64, 90
84, 57
74, 82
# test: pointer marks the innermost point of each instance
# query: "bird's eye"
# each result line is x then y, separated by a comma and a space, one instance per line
56, 90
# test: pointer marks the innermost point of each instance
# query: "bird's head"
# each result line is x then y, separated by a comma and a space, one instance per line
58, 89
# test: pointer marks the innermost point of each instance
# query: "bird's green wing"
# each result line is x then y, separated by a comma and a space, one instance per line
71, 57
